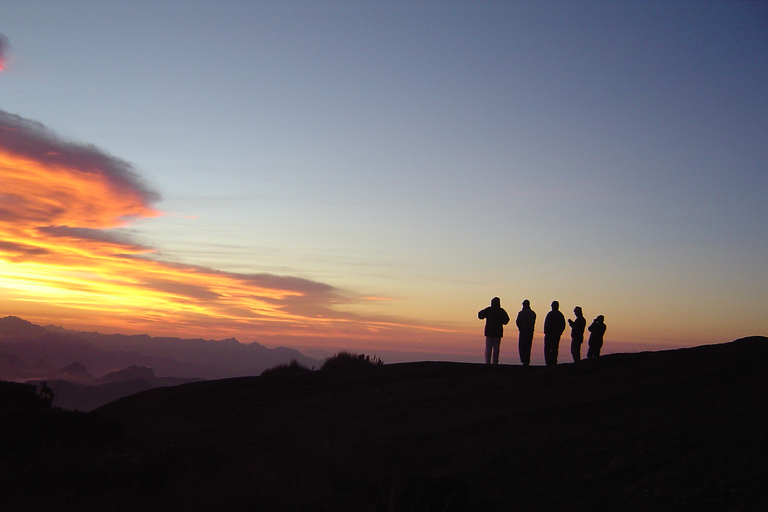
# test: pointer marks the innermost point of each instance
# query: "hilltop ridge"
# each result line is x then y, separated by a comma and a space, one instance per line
682, 429
670, 430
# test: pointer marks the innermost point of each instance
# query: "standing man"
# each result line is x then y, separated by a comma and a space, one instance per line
554, 325
596, 332
495, 320
526, 320
577, 333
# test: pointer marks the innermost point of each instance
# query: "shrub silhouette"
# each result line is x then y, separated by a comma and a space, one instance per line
15, 396
348, 360
281, 369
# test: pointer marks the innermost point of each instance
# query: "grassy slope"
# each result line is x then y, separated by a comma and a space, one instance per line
662, 431
675, 430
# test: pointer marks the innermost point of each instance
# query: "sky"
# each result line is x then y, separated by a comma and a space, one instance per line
366, 176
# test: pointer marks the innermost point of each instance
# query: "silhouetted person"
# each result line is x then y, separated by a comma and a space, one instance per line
495, 320
577, 333
596, 332
554, 325
526, 320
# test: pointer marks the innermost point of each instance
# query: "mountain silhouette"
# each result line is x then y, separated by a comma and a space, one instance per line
13, 328
70, 360
75, 372
29, 351
130, 373
179, 357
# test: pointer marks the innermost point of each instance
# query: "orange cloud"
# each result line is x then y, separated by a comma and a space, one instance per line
63, 207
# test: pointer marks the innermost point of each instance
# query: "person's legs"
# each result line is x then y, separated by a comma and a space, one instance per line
524, 345
551, 349
576, 350
492, 349
548, 350
496, 350
555, 350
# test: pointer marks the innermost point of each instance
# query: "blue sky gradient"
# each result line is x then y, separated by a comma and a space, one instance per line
612, 155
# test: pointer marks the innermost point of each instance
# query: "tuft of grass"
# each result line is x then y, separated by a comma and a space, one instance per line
282, 369
349, 360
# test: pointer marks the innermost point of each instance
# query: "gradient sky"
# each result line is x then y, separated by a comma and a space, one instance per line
368, 175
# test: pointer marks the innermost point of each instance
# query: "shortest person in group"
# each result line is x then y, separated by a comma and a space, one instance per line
495, 319
596, 332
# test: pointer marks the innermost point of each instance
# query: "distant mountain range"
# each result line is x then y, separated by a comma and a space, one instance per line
70, 361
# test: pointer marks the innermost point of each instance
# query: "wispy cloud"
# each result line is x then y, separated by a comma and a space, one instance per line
64, 207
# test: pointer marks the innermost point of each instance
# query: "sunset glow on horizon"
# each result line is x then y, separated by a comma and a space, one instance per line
368, 177
62, 209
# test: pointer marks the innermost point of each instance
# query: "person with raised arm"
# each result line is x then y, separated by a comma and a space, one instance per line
495, 319
596, 332
577, 333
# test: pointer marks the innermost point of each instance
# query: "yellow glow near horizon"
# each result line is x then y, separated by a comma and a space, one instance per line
61, 248
65, 259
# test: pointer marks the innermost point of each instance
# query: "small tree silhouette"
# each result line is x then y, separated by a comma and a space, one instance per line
293, 367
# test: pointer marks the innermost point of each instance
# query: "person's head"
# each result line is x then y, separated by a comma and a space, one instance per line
577, 311
526, 304
496, 302
555, 305
600, 318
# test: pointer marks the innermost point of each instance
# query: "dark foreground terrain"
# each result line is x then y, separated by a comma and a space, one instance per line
662, 431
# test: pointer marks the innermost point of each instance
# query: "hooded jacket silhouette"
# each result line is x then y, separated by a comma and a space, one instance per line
495, 318
554, 322
526, 322
596, 332
554, 325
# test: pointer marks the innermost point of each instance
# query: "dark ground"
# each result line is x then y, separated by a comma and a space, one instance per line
663, 431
